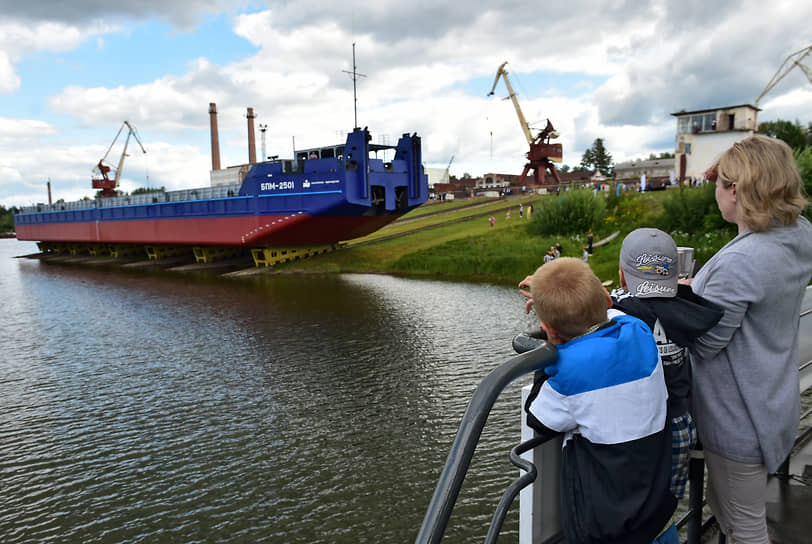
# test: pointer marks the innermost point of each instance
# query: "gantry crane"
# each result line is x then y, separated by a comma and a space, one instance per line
789, 63
542, 153
107, 185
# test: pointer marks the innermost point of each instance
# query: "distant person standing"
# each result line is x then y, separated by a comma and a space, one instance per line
589, 240
492, 220
521, 210
559, 249
507, 214
585, 256
529, 210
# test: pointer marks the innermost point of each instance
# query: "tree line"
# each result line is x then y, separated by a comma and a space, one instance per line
7, 218
597, 157
799, 138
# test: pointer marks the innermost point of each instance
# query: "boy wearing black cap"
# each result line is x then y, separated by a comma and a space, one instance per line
676, 316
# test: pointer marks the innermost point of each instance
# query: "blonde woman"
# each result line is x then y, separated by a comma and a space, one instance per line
746, 400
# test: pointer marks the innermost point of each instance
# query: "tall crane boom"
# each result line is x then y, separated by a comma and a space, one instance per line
448, 170
107, 185
501, 72
790, 62
542, 152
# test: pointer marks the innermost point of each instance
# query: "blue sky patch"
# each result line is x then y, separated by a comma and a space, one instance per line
123, 59
537, 84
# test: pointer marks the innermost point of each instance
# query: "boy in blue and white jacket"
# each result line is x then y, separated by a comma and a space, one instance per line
606, 393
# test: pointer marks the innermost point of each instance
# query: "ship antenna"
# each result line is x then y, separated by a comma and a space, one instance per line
355, 75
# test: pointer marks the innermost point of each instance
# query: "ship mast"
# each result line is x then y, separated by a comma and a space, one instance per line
355, 75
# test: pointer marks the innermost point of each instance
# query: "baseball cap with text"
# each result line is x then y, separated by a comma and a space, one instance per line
649, 261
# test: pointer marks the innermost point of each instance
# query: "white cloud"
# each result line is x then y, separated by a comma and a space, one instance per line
21, 131
9, 80
795, 104
19, 39
424, 66
184, 14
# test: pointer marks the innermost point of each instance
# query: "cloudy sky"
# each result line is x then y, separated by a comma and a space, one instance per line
72, 72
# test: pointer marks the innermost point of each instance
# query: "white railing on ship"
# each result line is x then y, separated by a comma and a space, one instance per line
204, 193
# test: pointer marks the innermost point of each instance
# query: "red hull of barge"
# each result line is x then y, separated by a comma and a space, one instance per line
283, 230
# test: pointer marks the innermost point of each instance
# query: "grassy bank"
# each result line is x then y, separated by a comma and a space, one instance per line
454, 241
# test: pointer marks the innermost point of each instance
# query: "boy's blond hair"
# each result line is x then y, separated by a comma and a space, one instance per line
568, 296
768, 187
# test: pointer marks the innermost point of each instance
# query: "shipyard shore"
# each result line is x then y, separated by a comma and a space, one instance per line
451, 240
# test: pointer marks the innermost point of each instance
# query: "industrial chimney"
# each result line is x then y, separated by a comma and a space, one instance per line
215, 138
252, 144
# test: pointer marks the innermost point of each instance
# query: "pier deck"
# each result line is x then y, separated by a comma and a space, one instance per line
789, 501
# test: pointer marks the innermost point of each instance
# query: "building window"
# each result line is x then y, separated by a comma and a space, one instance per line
710, 121
684, 126
687, 149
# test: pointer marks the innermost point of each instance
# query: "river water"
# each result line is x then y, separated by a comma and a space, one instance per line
159, 407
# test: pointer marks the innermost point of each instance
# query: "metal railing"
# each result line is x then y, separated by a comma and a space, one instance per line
462, 449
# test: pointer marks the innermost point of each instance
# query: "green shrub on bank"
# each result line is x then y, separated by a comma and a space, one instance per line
705, 244
804, 160
7, 219
576, 211
691, 210
633, 209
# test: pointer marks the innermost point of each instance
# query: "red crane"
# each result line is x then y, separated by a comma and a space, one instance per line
542, 153
107, 185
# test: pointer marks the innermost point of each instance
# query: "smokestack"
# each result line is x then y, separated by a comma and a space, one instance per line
252, 144
49, 191
215, 138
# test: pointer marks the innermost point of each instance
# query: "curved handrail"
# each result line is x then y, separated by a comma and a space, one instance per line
517, 485
473, 421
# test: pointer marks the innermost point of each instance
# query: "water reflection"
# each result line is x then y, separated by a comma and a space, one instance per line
157, 407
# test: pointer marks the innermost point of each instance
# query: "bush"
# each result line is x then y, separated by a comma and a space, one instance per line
7, 219
705, 244
571, 212
804, 160
612, 199
691, 210
634, 209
